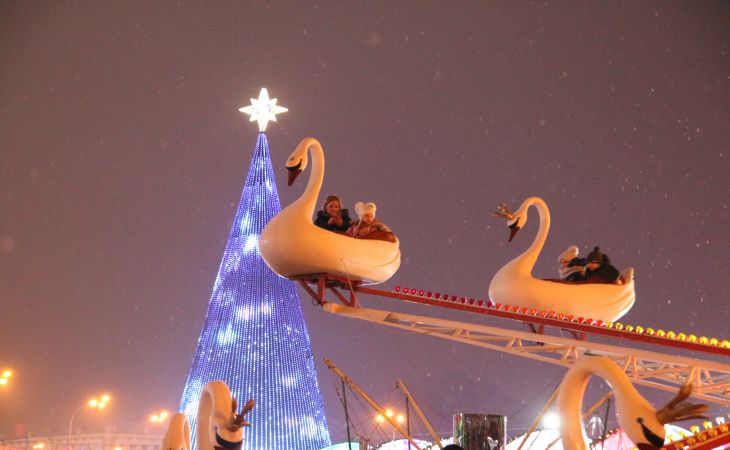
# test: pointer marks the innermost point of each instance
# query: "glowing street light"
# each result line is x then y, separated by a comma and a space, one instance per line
389, 417
5, 377
99, 402
159, 417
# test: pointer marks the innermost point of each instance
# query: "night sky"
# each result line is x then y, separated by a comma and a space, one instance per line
123, 156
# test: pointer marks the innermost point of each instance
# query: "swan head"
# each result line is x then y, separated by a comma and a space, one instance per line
645, 426
515, 221
297, 161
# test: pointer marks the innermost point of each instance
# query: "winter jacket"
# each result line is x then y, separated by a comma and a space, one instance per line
323, 217
574, 270
359, 229
606, 273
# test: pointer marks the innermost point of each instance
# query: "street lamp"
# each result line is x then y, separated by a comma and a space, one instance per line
5, 376
96, 403
160, 417
392, 415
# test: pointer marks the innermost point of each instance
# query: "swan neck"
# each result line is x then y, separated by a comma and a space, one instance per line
531, 254
572, 389
307, 201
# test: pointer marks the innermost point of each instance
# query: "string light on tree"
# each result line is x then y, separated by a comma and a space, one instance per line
254, 337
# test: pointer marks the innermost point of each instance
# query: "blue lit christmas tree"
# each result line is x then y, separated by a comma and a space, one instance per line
254, 337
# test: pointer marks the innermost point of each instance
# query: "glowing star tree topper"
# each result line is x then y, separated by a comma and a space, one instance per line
263, 109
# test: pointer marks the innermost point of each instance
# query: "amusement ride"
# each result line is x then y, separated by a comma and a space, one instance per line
344, 267
324, 262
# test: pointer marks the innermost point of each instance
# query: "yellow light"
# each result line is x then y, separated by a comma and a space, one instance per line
379, 418
105, 398
389, 412
725, 343
660, 333
154, 418
682, 336
650, 331
692, 338
101, 405
639, 329
629, 328
609, 324
117, 448
714, 341
163, 415
707, 424
671, 334
694, 429
400, 418
704, 340
618, 326
93, 402
7, 373
3, 381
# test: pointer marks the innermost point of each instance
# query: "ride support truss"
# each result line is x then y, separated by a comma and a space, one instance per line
653, 368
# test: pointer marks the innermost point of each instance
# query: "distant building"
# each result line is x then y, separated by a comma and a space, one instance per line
99, 441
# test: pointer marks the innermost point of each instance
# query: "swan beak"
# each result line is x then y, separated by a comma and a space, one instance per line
293, 174
512, 232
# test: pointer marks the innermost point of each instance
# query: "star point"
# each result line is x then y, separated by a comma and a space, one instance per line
263, 109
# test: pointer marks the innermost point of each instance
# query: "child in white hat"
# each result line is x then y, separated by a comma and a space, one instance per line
368, 227
569, 265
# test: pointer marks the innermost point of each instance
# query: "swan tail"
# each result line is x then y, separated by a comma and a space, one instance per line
627, 275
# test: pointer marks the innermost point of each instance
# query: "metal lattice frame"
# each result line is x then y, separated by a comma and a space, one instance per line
664, 371
711, 380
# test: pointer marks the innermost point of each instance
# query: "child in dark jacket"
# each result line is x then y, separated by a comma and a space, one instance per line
332, 217
599, 269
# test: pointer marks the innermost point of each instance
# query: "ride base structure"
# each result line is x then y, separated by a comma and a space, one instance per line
660, 367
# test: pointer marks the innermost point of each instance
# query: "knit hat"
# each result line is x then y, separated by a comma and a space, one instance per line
362, 208
569, 254
595, 256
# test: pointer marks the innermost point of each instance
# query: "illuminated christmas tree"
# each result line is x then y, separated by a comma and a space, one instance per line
254, 337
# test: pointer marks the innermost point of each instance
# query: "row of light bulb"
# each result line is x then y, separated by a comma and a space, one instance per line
567, 317
699, 435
